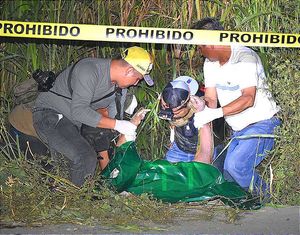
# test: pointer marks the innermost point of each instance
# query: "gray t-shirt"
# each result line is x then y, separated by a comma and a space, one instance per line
90, 81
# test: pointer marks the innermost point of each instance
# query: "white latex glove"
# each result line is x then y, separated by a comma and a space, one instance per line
172, 135
125, 127
197, 102
206, 116
130, 137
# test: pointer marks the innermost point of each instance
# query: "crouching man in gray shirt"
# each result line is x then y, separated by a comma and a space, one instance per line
84, 95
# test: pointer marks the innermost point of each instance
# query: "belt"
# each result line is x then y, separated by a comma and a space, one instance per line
39, 109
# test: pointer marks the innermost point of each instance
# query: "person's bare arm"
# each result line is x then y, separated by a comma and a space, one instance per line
106, 122
103, 111
246, 100
210, 97
205, 145
105, 159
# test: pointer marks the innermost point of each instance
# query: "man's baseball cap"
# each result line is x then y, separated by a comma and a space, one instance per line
140, 60
177, 92
190, 82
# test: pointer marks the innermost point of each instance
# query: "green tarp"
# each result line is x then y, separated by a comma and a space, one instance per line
169, 182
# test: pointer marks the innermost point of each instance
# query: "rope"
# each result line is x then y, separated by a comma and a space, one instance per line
243, 137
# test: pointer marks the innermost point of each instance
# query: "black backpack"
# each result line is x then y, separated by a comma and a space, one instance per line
25, 93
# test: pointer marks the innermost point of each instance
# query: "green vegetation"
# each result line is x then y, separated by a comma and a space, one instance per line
24, 187
29, 196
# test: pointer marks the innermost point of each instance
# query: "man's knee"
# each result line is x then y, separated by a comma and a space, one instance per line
81, 154
233, 168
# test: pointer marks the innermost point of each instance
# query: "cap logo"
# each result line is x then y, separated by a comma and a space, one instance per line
141, 67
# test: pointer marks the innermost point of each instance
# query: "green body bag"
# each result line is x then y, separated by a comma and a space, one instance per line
169, 182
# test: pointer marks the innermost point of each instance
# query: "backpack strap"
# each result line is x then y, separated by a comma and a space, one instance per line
69, 84
118, 98
70, 77
106, 96
71, 90
94, 101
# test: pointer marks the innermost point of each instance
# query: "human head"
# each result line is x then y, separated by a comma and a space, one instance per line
208, 24
212, 52
175, 96
140, 60
133, 65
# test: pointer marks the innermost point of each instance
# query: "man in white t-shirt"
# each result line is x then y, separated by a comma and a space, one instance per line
235, 77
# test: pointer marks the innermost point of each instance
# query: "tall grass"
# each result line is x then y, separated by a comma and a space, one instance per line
284, 161
20, 57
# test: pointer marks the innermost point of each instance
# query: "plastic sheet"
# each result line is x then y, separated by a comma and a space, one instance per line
169, 182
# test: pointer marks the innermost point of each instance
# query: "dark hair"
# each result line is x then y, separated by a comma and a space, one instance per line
208, 24
174, 97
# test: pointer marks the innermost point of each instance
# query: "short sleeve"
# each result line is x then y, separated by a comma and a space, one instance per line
248, 67
209, 76
248, 73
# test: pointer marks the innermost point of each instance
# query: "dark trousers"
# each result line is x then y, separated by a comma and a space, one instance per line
27, 144
62, 136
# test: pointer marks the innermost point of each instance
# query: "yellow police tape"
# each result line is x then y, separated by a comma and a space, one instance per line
144, 35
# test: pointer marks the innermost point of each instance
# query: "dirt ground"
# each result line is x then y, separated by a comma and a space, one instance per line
267, 220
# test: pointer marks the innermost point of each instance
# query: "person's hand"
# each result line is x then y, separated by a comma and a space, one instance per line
139, 116
206, 116
197, 102
141, 113
130, 137
125, 127
181, 112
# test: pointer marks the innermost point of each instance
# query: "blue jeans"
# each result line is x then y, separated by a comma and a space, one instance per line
175, 154
243, 155
62, 136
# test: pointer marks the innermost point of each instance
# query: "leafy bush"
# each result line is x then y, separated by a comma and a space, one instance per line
285, 162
